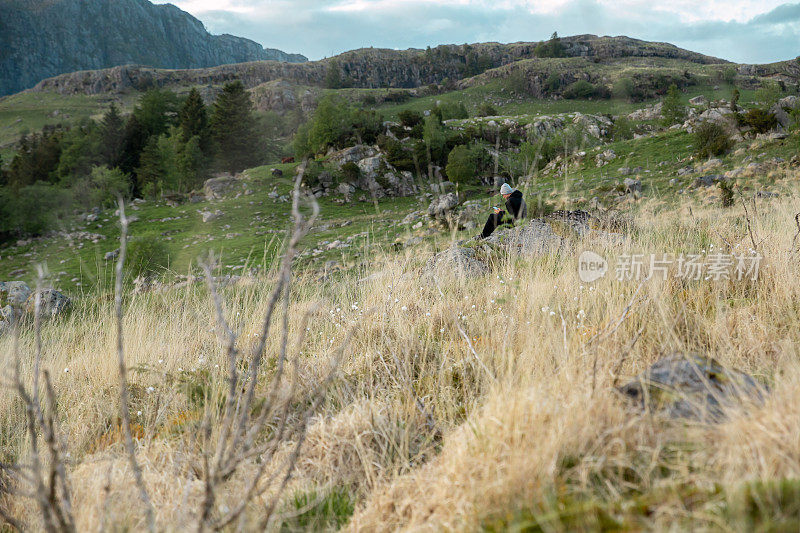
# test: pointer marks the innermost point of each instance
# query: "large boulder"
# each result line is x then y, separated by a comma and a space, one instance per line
53, 303
219, 187
14, 293
783, 109
692, 387
532, 238
443, 206
456, 260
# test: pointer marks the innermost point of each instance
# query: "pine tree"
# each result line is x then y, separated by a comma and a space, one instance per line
193, 119
136, 138
233, 129
112, 131
673, 109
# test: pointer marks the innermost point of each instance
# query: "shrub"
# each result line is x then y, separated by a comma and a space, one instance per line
673, 110
147, 256
551, 48
624, 88
410, 118
711, 140
461, 166
581, 89
350, 171
760, 120
622, 130
102, 187
726, 193
486, 110
32, 210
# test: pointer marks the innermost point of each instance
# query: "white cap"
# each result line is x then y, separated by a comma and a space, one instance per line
506, 189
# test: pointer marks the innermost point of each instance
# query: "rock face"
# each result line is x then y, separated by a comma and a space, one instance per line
693, 387
370, 68
40, 39
375, 174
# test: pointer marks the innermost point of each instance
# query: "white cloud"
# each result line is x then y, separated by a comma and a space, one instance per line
740, 30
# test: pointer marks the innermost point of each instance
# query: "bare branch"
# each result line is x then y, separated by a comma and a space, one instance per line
123, 371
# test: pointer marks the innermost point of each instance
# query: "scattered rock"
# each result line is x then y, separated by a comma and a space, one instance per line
692, 387
208, 216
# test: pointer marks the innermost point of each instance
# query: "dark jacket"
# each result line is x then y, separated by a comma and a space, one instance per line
516, 206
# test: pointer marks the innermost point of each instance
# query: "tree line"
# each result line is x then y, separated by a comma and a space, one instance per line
167, 144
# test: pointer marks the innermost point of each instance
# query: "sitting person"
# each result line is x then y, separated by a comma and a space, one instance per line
516, 206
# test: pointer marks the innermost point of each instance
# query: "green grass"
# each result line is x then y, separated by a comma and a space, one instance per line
29, 112
250, 233
311, 511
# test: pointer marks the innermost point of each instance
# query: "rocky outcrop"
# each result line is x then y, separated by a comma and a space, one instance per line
41, 39
692, 387
375, 174
372, 67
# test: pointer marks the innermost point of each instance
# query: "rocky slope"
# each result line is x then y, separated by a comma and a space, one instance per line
370, 68
43, 38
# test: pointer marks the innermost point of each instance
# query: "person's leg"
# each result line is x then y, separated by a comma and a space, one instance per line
495, 219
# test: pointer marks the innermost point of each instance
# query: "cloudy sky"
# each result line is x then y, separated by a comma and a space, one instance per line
747, 31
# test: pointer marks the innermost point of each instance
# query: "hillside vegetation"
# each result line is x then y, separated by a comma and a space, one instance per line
263, 305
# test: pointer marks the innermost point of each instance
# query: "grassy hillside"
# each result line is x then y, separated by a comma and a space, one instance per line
519, 427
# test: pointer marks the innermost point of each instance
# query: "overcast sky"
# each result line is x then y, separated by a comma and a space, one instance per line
745, 31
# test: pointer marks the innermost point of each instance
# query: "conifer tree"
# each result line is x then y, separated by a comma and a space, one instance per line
233, 129
193, 119
673, 109
112, 132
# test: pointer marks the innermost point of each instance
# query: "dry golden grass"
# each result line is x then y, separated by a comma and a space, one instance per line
425, 430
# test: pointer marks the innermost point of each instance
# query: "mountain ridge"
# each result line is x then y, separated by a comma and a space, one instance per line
42, 39
369, 67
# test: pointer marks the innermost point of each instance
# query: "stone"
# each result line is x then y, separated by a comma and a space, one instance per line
708, 180
699, 101
632, 186
353, 154
208, 216
14, 293
458, 261
688, 386
220, 186
441, 207
53, 303
533, 238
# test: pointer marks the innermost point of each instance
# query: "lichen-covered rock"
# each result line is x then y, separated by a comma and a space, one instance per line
692, 387
14, 293
53, 303
443, 206
535, 237
219, 187
456, 260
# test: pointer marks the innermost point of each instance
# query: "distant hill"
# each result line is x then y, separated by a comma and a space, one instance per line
371, 67
44, 38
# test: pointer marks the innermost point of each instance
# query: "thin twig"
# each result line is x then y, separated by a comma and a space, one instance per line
123, 373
